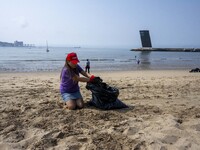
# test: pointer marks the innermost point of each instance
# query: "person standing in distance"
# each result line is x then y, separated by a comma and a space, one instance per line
69, 78
87, 67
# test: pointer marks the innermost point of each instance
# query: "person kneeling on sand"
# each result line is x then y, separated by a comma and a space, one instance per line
69, 77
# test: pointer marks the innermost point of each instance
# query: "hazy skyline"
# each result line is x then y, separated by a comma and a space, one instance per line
101, 23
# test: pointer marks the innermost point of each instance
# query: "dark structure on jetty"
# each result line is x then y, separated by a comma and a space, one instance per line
145, 38
146, 45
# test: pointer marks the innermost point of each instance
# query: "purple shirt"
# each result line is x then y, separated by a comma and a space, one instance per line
67, 84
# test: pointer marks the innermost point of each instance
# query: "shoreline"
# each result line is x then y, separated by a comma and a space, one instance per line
99, 71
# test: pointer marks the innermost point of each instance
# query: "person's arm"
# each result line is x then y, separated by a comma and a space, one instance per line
87, 77
81, 79
85, 74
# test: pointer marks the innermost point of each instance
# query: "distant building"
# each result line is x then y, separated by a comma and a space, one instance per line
6, 44
18, 44
15, 44
145, 38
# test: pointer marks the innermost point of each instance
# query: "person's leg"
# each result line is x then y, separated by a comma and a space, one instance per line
80, 103
71, 104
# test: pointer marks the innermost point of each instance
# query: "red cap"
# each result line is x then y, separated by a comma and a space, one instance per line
72, 57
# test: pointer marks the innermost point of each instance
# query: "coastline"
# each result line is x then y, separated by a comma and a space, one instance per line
116, 74
138, 68
164, 112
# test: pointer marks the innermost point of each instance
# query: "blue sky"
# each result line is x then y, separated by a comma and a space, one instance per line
101, 23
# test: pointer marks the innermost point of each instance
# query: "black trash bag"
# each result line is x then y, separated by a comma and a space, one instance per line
195, 70
104, 96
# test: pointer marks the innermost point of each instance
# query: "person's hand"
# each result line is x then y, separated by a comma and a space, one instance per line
92, 78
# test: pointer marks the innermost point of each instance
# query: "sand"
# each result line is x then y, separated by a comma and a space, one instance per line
163, 113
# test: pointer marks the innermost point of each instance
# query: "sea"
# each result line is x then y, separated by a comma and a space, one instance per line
36, 59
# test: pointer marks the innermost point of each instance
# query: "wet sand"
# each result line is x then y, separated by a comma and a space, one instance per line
163, 113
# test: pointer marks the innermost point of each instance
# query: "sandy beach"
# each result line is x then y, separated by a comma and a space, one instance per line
163, 113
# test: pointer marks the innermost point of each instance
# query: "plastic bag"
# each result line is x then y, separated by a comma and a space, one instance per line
104, 96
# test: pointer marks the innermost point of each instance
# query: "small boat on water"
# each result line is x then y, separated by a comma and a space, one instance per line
47, 50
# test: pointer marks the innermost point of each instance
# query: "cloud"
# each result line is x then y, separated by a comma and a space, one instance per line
21, 22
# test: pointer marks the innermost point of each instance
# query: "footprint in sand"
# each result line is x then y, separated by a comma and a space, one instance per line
130, 131
196, 127
170, 139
